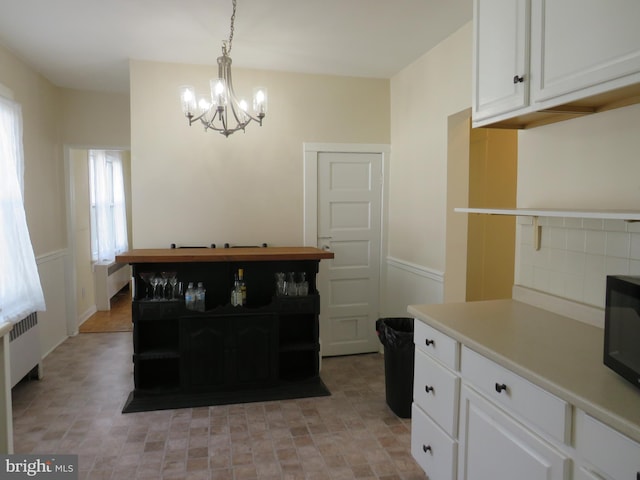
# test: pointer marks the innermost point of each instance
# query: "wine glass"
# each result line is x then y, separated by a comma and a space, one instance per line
147, 278
155, 281
169, 277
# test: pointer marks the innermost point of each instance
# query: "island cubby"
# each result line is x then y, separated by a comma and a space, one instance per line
265, 350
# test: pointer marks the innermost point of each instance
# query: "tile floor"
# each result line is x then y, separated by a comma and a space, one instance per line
76, 408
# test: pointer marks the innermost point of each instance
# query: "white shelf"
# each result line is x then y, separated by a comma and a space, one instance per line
628, 215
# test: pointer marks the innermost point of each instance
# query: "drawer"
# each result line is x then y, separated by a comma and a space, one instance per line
615, 455
437, 344
534, 404
434, 451
436, 391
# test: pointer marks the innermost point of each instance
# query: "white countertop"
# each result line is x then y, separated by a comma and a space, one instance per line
561, 355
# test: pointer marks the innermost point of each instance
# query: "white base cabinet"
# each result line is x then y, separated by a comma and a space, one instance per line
475, 419
495, 446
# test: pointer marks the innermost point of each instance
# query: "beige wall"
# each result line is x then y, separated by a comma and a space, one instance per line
589, 163
95, 119
423, 95
197, 188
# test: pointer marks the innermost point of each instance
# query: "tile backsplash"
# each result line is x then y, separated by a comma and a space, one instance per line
576, 255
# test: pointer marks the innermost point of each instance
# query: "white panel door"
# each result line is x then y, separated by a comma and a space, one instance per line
349, 224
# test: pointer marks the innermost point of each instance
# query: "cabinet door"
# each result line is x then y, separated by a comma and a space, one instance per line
577, 44
255, 349
204, 359
501, 57
493, 445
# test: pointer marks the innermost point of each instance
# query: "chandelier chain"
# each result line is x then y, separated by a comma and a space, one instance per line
233, 21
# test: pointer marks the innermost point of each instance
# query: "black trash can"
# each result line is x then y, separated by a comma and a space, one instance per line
396, 334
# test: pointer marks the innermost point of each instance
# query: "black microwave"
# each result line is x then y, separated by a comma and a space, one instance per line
622, 327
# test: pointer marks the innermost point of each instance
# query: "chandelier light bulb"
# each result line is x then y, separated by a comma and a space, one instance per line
188, 99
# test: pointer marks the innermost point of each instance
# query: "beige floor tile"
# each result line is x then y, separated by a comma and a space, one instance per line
76, 409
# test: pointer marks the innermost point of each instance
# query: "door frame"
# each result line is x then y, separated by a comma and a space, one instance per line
311, 153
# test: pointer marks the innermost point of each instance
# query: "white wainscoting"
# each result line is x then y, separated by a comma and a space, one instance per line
53, 321
410, 284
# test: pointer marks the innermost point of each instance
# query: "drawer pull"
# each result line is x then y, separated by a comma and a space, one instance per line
500, 387
428, 388
428, 342
427, 448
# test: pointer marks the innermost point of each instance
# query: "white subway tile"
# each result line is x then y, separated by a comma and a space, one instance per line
576, 240
594, 265
557, 237
541, 279
613, 225
573, 222
575, 263
616, 266
617, 244
634, 250
592, 223
596, 242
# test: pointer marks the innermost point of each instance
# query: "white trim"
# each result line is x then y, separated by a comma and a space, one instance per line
416, 269
51, 256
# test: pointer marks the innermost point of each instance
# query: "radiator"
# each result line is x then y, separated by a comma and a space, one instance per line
24, 348
110, 278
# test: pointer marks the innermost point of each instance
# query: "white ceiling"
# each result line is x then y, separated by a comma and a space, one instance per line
86, 44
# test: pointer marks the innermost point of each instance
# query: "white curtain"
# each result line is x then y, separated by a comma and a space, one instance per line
20, 288
109, 222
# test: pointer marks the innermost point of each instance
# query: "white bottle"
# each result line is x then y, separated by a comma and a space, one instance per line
189, 297
200, 297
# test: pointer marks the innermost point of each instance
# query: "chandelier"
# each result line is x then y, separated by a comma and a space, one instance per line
221, 110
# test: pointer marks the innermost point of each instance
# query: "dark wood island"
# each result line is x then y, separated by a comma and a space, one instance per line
267, 349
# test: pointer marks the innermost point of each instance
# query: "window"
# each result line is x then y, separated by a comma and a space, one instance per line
108, 209
20, 289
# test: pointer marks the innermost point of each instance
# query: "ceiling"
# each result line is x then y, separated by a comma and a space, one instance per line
86, 44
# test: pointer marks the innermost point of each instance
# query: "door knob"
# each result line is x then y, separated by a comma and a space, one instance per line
518, 79
326, 247
500, 387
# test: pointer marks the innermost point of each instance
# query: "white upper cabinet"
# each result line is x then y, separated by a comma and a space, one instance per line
583, 47
501, 57
567, 58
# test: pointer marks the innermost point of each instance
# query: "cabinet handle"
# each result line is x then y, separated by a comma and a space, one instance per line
428, 388
500, 387
426, 448
428, 342
518, 79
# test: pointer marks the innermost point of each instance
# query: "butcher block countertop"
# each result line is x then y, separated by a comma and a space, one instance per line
559, 354
239, 254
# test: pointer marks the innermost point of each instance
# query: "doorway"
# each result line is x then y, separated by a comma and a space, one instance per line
345, 212
82, 288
